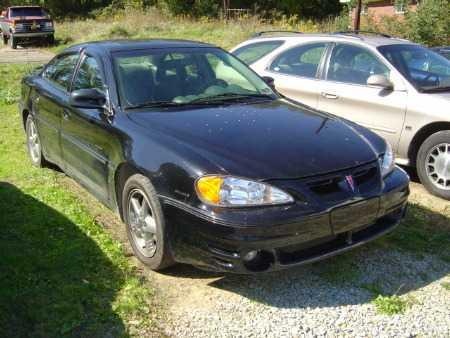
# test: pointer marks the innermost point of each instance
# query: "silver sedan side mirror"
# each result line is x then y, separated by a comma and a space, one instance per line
380, 81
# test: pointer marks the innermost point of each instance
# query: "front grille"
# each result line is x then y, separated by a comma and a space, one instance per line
28, 27
300, 253
330, 185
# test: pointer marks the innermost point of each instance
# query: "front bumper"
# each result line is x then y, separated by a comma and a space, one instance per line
215, 243
30, 35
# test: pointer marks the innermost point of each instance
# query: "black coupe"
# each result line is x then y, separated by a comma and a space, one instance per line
205, 163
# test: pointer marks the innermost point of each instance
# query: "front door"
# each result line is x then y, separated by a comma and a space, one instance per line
345, 92
85, 138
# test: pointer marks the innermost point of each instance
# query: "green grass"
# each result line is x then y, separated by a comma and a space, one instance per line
340, 269
446, 285
390, 305
422, 232
61, 274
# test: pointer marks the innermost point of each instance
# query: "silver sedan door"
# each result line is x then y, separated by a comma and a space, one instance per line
346, 92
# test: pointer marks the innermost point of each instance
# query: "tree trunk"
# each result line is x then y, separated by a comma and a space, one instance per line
357, 20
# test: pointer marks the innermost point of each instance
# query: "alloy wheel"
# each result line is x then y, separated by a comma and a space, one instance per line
34, 144
142, 223
438, 166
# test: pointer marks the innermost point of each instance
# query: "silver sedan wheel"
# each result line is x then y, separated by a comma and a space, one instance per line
438, 166
142, 223
34, 144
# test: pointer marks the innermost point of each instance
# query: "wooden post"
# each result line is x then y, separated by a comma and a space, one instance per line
357, 19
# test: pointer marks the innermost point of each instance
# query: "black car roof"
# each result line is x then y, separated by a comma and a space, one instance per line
122, 45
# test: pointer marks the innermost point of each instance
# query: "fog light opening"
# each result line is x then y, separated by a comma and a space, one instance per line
258, 260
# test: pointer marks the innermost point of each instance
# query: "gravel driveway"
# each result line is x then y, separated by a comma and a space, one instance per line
331, 298
24, 55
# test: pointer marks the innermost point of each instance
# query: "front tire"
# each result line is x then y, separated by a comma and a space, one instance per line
51, 40
433, 164
34, 145
4, 39
13, 42
145, 223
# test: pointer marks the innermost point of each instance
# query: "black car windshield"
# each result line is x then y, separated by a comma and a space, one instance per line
183, 76
426, 70
27, 11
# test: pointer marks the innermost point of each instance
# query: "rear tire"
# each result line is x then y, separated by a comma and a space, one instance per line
145, 223
433, 164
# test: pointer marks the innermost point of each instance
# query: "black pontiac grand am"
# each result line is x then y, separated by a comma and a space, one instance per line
204, 162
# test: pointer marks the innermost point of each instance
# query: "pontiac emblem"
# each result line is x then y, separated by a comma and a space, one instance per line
34, 25
351, 182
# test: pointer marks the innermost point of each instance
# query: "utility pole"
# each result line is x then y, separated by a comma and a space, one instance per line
226, 6
357, 19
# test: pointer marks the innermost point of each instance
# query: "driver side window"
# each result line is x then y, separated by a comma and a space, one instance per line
351, 64
88, 75
60, 71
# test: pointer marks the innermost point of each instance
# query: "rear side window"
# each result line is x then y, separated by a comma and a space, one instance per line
253, 52
60, 70
300, 61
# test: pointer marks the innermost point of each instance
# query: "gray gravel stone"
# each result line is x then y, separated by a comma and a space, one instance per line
301, 303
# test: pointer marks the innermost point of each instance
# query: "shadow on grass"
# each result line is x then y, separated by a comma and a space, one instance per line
54, 280
411, 257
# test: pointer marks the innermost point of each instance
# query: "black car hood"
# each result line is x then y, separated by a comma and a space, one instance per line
276, 139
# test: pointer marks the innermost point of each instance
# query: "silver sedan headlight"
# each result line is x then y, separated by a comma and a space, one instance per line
229, 191
387, 161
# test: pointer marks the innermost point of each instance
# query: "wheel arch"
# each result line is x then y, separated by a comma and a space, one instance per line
25, 114
422, 135
124, 171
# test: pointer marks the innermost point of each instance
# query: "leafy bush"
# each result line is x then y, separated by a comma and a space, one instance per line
197, 8
430, 24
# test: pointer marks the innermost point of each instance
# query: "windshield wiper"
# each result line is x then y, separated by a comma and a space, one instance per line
229, 97
201, 100
436, 90
154, 104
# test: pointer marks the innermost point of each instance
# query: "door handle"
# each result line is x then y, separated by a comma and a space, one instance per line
37, 99
66, 114
330, 96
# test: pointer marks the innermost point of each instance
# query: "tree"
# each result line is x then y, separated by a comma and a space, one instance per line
430, 24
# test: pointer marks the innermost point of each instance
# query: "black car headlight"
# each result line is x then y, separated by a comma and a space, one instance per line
229, 191
387, 161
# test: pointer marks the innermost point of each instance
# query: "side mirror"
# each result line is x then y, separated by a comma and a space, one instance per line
380, 81
269, 81
88, 98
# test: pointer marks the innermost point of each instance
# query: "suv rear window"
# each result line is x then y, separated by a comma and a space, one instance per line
27, 11
255, 51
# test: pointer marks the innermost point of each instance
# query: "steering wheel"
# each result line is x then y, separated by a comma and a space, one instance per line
429, 76
220, 83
